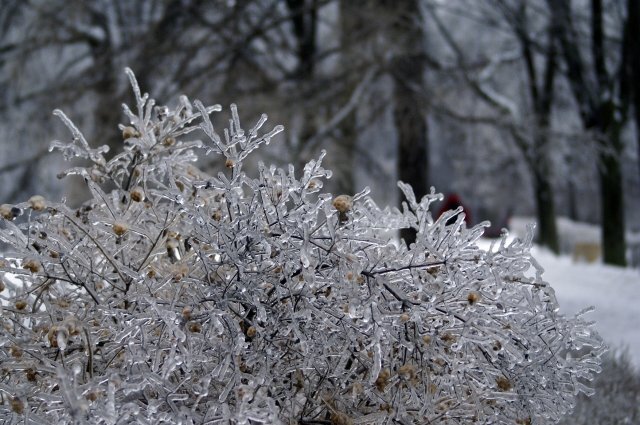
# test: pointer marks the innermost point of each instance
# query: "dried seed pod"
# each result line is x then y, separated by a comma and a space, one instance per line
32, 265
503, 383
186, 313
383, 379
129, 132
15, 351
407, 371
120, 228
195, 327
37, 203
32, 375
343, 203
8, 211
92, 395
17, 405
473, 297
137, 194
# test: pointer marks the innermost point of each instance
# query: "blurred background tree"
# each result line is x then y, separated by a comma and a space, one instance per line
521, 107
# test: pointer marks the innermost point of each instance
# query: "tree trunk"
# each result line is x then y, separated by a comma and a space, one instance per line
613, 222
600, 113
406, 70
545, 205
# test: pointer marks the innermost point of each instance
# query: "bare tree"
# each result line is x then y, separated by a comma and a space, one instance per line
601, 89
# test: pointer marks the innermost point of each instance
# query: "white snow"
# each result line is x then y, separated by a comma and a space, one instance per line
613, 291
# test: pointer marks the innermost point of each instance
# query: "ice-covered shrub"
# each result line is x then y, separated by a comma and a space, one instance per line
173, 296
618, 395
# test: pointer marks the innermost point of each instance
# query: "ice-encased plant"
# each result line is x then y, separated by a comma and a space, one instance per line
173, 296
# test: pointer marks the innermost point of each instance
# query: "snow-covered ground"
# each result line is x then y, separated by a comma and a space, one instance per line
613, 291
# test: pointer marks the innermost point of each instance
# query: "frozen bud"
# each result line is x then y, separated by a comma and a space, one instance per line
404, 317
407, 371
186, 313
448, 338
195, 327
169, 141
137, 194
229, 163
129, 132
251, 331
217, 215
37, 203
473, 298
32, 375
2, 287
180, 272
92, 395
17, 405
21, 305
6, 212
32, 265
343, 203
15, 351
51, 337
120, 228
426, 339
503, 383
383, 379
